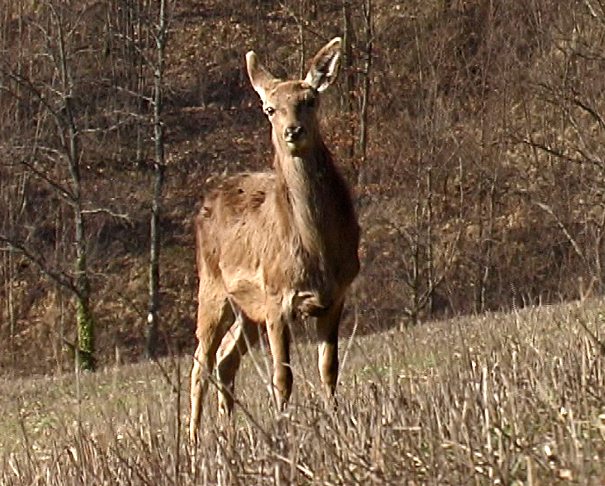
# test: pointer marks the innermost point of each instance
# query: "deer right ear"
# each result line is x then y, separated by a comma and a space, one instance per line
325, 64
261, 79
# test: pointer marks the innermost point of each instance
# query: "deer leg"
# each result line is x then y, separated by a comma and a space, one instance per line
213, 319
327, 333
236, 343
199, 386
279, 342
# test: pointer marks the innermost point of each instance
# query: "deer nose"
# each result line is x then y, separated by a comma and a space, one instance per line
293, 133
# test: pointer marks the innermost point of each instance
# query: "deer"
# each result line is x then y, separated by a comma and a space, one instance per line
273, 247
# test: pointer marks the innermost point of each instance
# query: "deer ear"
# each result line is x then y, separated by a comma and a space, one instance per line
324, 66
261, 79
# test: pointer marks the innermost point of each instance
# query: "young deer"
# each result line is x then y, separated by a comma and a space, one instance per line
272, 246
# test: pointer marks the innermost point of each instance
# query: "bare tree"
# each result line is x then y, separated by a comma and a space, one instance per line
56, 146
159, 167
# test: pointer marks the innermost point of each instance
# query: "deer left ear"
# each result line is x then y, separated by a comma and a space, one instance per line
324, 66
261, 79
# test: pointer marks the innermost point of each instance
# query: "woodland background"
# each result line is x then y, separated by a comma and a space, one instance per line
472, 133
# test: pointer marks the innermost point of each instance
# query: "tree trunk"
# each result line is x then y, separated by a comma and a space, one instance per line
347, 65
158, 182
84, 320
365, 93
154, 264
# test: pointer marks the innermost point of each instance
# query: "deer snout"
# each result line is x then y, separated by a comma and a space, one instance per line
293, 133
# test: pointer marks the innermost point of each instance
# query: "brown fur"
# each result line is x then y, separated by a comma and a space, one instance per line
274, 245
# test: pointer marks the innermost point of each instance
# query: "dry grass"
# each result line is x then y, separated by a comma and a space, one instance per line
495, 399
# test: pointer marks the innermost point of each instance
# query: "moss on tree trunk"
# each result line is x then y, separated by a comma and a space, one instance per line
86, 336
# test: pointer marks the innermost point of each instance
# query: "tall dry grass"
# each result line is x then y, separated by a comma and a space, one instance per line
513, 399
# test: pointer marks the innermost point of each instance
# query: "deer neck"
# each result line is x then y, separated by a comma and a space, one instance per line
306, 182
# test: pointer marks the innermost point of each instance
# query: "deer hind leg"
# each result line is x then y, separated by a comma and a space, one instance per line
278, 332
214, 318
327, 333
242, 335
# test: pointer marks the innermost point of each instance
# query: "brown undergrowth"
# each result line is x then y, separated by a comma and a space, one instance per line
504, 398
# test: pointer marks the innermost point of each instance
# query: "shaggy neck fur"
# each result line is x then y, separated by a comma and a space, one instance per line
306, 184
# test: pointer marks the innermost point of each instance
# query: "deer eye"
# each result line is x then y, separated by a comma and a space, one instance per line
269, 111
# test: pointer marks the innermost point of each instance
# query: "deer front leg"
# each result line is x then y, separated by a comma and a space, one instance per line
279, 342
327, 333
199, 386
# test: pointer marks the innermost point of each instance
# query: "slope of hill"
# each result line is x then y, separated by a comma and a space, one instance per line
502, 398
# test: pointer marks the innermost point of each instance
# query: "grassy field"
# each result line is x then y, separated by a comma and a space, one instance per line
515, 398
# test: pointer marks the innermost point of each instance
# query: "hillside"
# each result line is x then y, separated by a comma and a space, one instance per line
502, 398
479, 185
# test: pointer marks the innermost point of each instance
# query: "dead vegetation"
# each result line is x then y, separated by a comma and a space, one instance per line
479, 188
502, 398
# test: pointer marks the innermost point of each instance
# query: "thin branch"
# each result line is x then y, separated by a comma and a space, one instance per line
574, 243
147, 60
64, 193
134, 94
590, 110
26, 84
107, 211
58, 277
550, 150
559, 153
593, 12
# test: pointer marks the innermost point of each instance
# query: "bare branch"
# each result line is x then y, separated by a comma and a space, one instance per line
559, 153
134, 94
64, 193
60, 278
562, 227
26, 84
107, 211
590, 110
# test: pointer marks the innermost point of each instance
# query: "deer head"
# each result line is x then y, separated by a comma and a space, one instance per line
291, 106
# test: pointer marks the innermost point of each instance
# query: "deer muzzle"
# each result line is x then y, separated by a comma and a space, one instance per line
294, 133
